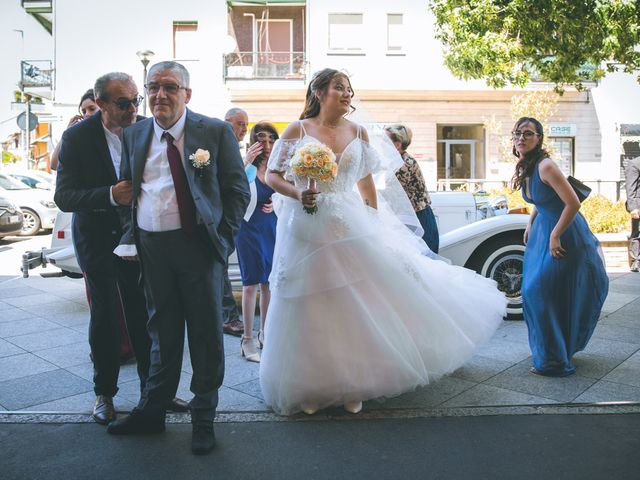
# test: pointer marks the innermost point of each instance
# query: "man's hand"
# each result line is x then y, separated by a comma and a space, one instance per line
635, 214
122, 192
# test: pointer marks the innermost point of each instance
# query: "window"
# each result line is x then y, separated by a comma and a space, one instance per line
395, 32
346, 32
562, 153
185, 44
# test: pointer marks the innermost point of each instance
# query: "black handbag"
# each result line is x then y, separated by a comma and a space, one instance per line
582, 191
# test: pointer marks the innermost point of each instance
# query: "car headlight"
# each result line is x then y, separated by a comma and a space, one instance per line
48, 203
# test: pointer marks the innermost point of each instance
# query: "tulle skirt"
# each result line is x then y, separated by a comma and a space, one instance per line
359, 312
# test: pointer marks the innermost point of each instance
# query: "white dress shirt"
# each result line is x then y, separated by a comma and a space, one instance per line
114, 143
157, 205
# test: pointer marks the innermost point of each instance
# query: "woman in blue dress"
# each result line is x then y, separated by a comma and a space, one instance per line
564, 280
256, 238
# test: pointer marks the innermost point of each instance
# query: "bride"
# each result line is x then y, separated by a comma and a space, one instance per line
357, 310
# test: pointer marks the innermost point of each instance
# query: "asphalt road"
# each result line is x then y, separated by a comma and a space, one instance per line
499, 447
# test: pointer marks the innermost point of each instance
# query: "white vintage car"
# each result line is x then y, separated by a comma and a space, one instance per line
475, 233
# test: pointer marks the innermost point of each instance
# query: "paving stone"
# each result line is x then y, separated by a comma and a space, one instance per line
71, 319
519, 379
616, 300
487, 395
617, 332
504, 350
49, 339
66, 355
628, 372
604, 391
31, 300
514, 332
234, 400
11, 314
81, 403
614, 349
18, 291
25, 392
594, 366
7, 349
431, 395
23, 365
480, 368
250, 388
26, 326
238, 370
58, 306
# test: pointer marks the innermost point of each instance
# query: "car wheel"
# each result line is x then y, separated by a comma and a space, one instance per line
31, 222
501, 259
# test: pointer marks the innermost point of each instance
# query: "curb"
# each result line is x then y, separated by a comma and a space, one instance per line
605, 408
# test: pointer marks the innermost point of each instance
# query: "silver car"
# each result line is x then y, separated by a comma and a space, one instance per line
37, 205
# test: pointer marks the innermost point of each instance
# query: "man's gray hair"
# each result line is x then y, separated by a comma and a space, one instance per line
174, 67
102, 83
233, 112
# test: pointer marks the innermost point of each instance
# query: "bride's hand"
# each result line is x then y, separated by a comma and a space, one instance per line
308, 197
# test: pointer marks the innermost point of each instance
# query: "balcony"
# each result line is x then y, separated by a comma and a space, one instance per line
265, 66
35, 74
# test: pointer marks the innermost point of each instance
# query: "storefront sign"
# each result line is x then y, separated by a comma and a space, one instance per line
563, 130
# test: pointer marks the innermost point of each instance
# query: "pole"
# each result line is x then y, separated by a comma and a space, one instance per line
144, 82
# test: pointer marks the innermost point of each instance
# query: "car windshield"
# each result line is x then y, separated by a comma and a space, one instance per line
9, 183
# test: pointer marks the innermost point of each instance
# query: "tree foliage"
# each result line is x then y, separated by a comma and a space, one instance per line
564, 42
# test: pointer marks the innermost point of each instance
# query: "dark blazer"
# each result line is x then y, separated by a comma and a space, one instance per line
632, 184
220, 190
84, 177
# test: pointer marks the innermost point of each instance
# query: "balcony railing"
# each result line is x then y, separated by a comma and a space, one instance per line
36, 74
264, 66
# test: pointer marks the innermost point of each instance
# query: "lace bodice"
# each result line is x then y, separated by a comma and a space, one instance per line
357, 161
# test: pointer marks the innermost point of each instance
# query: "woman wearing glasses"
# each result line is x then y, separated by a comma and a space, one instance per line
256, 238
410, 177
564, 282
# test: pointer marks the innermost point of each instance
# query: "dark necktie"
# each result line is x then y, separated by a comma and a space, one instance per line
186, 207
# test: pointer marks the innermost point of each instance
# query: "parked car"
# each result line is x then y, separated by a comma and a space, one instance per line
32, 181
38, 206
10, 218
474, 233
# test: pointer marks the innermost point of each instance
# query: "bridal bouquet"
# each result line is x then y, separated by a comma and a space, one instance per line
314, 161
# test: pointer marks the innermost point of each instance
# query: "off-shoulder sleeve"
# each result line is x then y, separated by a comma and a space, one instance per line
281, 153
371, 162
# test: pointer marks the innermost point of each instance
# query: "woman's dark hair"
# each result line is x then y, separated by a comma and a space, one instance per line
253, 138
525, 165
87, 95
320, 83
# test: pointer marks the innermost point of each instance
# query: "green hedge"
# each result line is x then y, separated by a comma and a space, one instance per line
603, 215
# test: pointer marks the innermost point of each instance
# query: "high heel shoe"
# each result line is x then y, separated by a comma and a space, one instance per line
353, 407
261, 339
248, 349
309, 408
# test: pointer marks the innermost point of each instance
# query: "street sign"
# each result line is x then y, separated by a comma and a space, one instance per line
22, 121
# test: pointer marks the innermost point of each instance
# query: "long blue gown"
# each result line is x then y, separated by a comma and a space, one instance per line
562, 298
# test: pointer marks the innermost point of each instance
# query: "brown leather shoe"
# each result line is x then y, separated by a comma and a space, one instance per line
103, 410
178, 405
234, 327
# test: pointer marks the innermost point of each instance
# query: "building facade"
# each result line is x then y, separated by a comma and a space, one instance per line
260, 55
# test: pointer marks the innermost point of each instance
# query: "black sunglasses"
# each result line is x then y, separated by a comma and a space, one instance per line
124, 103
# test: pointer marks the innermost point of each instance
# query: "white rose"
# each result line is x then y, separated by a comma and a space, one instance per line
200, 158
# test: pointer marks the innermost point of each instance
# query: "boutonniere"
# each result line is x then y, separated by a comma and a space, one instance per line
200, 159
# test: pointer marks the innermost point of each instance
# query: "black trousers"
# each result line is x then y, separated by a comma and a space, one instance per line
183, 284
634, 243
112, 281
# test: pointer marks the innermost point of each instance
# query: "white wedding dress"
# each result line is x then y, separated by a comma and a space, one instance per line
357, 310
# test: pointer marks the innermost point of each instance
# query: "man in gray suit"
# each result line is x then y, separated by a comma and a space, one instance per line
190, 193
632, 186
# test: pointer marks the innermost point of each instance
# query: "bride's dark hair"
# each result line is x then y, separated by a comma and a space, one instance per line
320, 83
525, 165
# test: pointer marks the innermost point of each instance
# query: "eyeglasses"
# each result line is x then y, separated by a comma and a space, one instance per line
527, 134
170, 88
264, 136
125, 102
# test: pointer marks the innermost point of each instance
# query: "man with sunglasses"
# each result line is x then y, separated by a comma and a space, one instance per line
87, 185
189, 195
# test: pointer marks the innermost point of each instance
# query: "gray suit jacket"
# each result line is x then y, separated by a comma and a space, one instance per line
220, 190
632, 184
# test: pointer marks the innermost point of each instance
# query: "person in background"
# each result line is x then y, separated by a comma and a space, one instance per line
86, 108
632, 186
564, 282
256, 238
411, 179
88, 185
232, 325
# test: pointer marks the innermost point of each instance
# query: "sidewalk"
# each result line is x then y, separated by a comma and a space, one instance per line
45, 366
